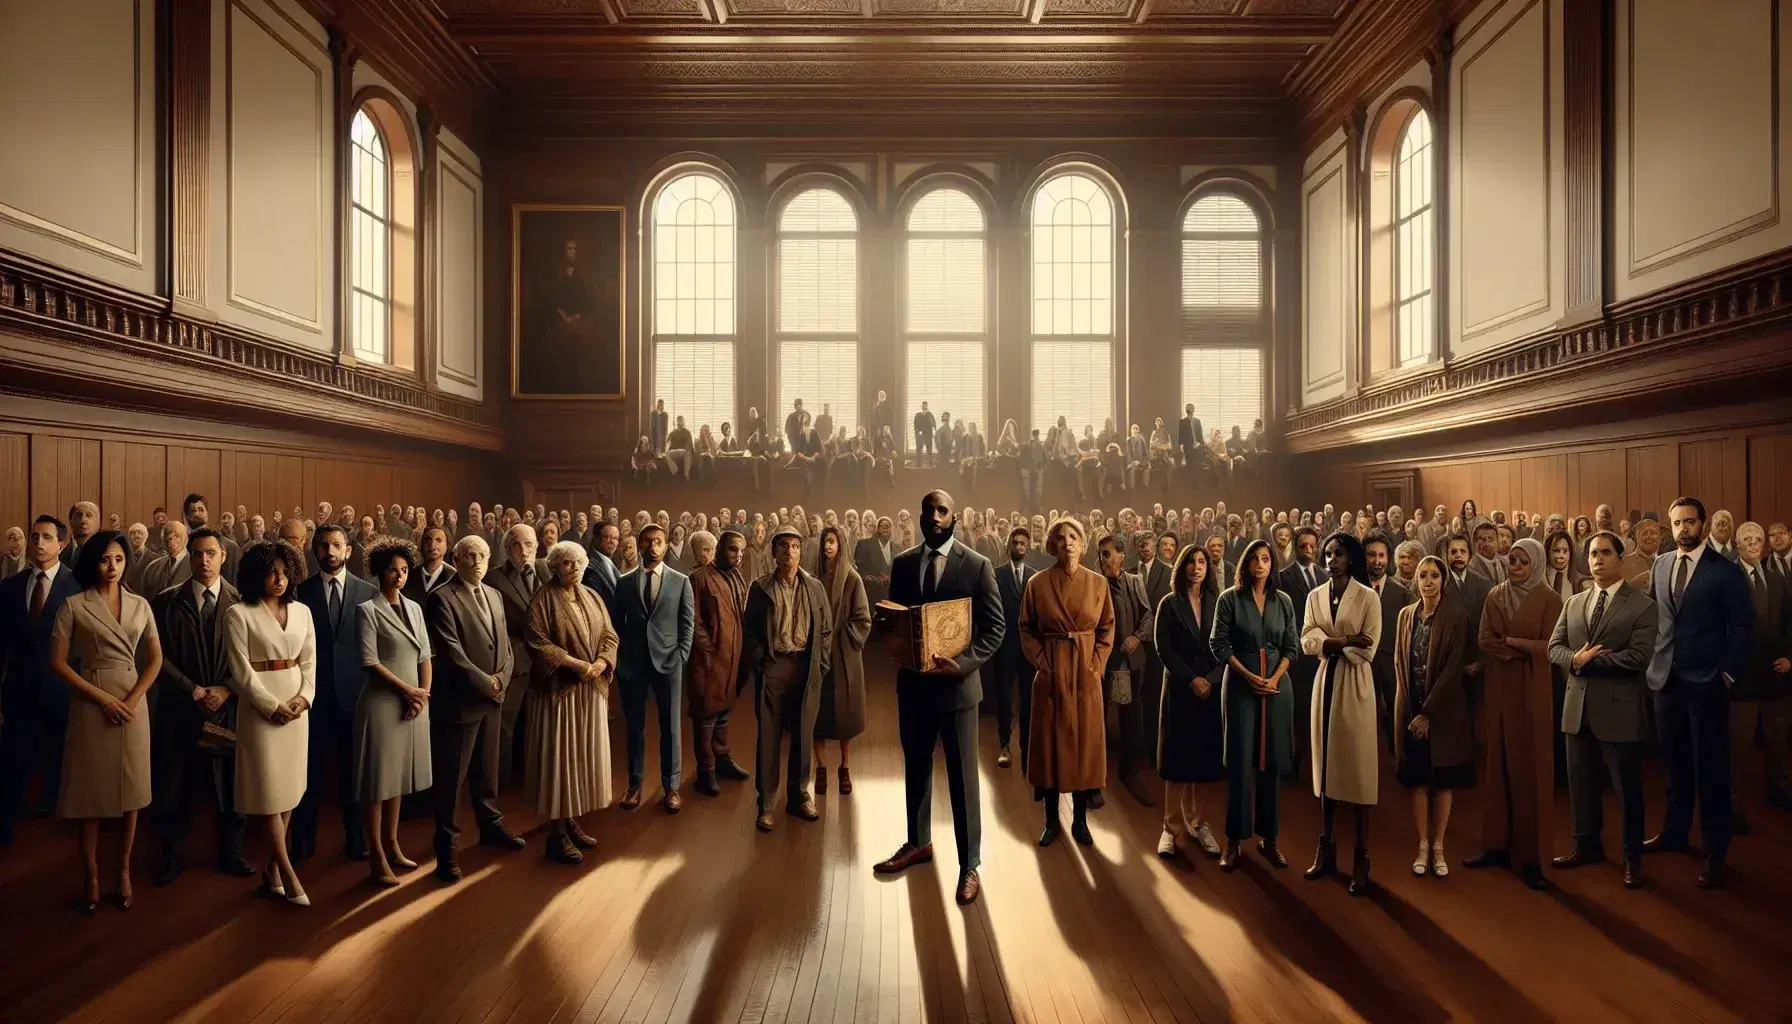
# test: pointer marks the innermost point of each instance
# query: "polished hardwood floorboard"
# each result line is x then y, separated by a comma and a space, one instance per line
700, 918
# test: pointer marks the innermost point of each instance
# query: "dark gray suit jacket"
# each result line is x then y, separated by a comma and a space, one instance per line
966, 574
466, 651
1610, 695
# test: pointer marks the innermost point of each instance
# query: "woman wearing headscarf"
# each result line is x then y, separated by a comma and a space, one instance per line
572, 667
842, 707
1191, 727
1066, 634
1518, 729
1343, 627
1254, 636
1434, 746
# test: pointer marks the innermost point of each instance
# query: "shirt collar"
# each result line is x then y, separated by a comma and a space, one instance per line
340, 576
50, 573
1610, 591
946, 548
1691, 556
200, 589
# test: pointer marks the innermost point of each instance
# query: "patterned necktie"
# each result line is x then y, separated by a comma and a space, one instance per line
1680, 573
1598, 613
529, 579
40, 593
931, 584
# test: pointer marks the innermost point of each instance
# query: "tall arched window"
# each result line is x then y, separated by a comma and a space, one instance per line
946, 315
370, 248
1074, 287
1414, 263
817, 306
1224, 332
693, 300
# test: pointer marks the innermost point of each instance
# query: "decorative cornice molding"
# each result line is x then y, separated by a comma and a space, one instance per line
37, 301
1701, 332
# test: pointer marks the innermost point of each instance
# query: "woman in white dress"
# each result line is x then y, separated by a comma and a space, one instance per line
105, 760
391, 730
273, 660
566, 768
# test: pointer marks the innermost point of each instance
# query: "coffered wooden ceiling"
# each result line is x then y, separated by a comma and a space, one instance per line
1207, 68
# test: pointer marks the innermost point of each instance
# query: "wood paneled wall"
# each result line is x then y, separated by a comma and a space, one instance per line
54, 454
1737, 458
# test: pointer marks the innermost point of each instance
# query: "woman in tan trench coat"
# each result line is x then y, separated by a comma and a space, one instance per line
105, 761
1066, 633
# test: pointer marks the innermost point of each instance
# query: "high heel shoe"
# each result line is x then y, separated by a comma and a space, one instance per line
124, 889
299, 900
90, 896
270, 886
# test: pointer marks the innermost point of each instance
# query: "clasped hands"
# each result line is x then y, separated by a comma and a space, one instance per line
211, 698
1263, 687
290, 711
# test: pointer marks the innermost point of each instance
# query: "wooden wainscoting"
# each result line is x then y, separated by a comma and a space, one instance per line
53, 454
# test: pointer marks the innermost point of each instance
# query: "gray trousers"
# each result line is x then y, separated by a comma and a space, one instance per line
1586, 755
514, 695
779, 699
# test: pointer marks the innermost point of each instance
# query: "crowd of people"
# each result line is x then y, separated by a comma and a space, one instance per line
813, 452
270, 665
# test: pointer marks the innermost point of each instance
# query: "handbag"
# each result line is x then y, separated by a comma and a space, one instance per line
217, 734
1120, 686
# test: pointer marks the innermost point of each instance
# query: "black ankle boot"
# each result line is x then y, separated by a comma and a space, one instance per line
1325, 859
1052, 828
1359, 872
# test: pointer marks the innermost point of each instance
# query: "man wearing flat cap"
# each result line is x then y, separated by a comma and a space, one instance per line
787, 633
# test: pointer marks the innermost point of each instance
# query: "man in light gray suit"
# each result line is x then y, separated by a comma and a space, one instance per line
516, 581
473, 665
1602, 643
655, 616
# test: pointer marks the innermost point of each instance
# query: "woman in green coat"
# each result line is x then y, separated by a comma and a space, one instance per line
1254, 635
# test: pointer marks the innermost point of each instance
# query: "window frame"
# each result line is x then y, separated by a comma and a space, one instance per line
404, 336
978, 193
1117, 269
1230, 327
650, 300
1399, 225
787, 192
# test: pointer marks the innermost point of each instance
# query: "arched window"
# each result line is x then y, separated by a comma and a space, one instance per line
1414, 264
693, 300
1224, 332
817, 322
381, 249
370, 251
1074, 287
946, 314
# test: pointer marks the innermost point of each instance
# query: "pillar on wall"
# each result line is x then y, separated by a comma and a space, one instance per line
189, 28
429, 337
1585, 32
343, 55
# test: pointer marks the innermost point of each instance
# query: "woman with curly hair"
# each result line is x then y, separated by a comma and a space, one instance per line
273, 660
391, 730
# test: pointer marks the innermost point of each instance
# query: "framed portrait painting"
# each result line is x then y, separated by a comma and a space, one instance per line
568, 272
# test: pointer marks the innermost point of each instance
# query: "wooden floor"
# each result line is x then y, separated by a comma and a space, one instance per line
700, 918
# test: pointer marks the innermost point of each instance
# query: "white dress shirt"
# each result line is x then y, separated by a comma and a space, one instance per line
31, 588
1611, 595
199, 589
945, 551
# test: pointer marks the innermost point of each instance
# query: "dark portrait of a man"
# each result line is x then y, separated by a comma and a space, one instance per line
568, 301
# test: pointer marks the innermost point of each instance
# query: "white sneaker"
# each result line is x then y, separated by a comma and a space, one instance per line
1439, 866
1166, 845
1204, 838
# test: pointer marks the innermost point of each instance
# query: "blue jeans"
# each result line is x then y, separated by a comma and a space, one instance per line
668, 695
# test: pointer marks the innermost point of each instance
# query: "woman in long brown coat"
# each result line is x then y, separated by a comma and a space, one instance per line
1434, 749
712, 676
842, 713
1516, 623
1066, 633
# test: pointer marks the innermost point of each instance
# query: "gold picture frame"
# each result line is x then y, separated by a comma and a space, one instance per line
560, 259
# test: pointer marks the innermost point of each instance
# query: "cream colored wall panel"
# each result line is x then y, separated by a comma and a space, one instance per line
1327, 317
460, 306
77, 171
1701, 136
1507, 247
274, 195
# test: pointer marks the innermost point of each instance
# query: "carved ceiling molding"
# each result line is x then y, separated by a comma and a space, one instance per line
410, 44
1376, 44
93, 323
1722, 328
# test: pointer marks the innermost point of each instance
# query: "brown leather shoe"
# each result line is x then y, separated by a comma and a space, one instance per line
560, 848
1581, 857
764, 822
577, 833
673, 802
631, 799
905, 857
845, 781
1664, 843
1229, 856
728, 768
806, 810
969, 886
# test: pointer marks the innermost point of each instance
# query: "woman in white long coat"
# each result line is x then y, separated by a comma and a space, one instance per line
1343, 626
273, 661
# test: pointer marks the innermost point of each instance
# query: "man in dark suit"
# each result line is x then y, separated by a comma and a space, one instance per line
1013, 674
1189, 438
1471, 589
659, 425
1132, 628
873, 556
83, 523
168, 567
940, 706
1297, 580
517, 580
600, 573
432, 547
1602, 643
195, 512
473, 663
35, 700
655, 625
1378, 554
1159, 576
194, 687
925, 425
1704, 624
1759, 698
334, 596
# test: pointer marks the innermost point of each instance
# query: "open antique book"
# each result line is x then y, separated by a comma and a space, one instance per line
916, 635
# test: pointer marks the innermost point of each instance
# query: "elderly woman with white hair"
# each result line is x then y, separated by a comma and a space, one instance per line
573, 658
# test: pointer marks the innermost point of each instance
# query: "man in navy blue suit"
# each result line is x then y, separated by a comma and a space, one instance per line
655, 617
333, 594
1012, 673
939, 706
600, 574
1705, 617
34, 699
